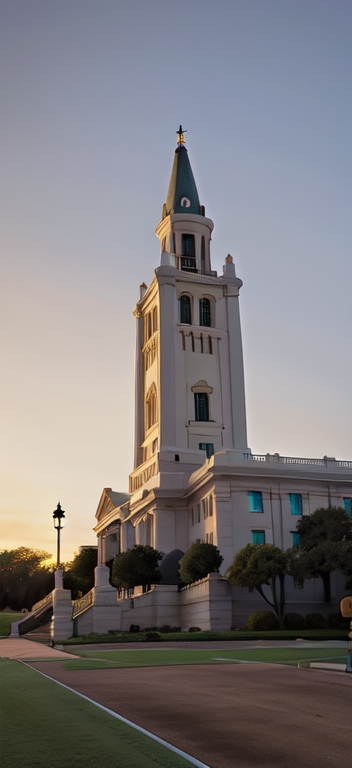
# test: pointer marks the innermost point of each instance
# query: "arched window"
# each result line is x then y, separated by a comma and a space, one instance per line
185, 310
151, 407
204, 312
201, 392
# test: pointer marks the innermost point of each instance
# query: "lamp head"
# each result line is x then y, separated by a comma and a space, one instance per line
58, 517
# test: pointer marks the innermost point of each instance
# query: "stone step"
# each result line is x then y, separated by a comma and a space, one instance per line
40, 635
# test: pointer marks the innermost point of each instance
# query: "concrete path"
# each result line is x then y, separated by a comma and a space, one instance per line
22, 649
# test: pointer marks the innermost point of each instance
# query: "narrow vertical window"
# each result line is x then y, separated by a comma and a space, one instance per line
202, 255
296, 538
188, 248
151, 405
188, 255
255, 501
201, 406
258, 537
204, 312
347, 503
295, 503
185, 310
149, 325
155, 319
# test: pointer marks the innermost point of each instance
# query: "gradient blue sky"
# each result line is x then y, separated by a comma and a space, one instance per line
92, 93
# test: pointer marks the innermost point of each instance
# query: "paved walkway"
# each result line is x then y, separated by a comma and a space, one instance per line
22, 649
240, 716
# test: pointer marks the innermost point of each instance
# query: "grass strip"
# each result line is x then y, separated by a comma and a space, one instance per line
6, 620
187, 637
44, 724
169, 657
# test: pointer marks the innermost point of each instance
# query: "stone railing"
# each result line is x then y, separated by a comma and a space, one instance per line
80, 605
326, 461
143, 473
46, 602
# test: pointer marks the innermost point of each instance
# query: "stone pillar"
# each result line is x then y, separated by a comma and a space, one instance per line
61, 623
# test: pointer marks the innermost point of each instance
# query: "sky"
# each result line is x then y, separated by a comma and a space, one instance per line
92, 93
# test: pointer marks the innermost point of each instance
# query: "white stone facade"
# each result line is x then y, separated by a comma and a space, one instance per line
194, 475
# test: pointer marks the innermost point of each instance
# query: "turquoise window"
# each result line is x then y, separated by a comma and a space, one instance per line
258, 537
208, 447
255, 500
347, 503
296, 539
295, 503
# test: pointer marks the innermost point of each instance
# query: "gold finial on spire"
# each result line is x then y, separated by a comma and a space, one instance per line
181, 138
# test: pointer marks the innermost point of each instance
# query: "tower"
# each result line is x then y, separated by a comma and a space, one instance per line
189, 400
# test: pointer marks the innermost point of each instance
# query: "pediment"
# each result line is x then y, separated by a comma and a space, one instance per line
109, 501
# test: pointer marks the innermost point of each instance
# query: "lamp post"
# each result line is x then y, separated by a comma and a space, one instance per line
58, 517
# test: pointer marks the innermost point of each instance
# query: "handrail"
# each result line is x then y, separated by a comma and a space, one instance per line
47, 600
80, 605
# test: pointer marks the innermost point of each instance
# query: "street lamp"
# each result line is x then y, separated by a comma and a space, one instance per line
58, 517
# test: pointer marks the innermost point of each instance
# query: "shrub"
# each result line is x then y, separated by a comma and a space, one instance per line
294, 621
134, 627
165, 628
199, 560
262, 620
137, 566
314, 621
175, 629
336, 621
194, 629
152, 636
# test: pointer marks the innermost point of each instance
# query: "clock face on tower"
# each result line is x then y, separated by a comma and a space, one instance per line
185, 202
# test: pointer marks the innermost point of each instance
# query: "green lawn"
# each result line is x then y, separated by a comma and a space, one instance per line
45, 725
279, 634
5, 622
168, 657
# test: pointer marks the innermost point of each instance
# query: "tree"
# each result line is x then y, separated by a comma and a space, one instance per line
325, 545
259, 565
79, 574
24, 577
137, 566
199, 560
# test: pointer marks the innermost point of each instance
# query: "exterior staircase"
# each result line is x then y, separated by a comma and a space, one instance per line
40, 634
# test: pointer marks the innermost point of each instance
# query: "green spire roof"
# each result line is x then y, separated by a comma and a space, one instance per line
182, 196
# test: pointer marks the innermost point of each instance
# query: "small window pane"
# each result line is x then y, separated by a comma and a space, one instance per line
295, 503
208, 447
347, 503
201, 406
296, 539
255, 500
258, 537
185, 310
204, 312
